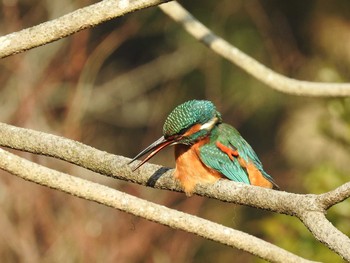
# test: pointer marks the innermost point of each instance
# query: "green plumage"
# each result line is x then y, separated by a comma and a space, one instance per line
194, 112
214, 158
188, 114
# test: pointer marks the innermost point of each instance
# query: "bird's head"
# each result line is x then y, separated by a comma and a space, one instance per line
186, 124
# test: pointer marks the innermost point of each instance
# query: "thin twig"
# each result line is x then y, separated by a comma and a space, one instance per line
69, 24
247, 63
335, 196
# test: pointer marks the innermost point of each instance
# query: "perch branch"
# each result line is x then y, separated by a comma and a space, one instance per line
310, 209
247, 63
104, 195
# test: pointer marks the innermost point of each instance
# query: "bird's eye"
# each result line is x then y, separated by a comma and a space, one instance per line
171, 137
184, 130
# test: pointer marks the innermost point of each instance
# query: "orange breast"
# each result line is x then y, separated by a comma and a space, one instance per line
189, 168
255, 176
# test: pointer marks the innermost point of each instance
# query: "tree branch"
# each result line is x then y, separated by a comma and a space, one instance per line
310, 209
335, 196
325, 232
248, 64
142, 208
108, 9
69, 24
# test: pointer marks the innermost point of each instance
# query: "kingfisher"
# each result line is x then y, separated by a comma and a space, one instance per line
206, 149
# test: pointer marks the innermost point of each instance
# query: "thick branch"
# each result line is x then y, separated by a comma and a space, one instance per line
149, 174
301, 206
250, 65
69, 24
142, 208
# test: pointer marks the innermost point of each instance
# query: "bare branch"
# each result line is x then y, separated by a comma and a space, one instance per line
142, 208
325, 232
248, 64
149, 174
108, 9
69, 24
310, 209
335, 196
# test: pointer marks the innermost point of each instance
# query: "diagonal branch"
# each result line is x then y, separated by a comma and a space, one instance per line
108, 9
142, 208
310, 209
335, 196
69, 24
325, 232
149, 174
247, 63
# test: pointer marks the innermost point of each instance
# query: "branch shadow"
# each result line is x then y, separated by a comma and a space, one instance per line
157, 174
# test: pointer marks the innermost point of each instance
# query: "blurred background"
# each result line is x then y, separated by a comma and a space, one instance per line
112, 87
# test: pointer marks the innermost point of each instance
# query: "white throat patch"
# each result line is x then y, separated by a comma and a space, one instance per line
210, 124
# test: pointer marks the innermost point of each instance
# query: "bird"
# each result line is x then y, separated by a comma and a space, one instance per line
206, 149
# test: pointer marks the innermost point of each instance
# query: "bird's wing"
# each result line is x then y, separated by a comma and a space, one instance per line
216, 159
245, 151
225, 152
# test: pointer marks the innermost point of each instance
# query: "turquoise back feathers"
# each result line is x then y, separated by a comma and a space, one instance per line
177, 127
196, 129
214, 158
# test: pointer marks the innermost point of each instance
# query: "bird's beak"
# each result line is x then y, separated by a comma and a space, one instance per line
154, 148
